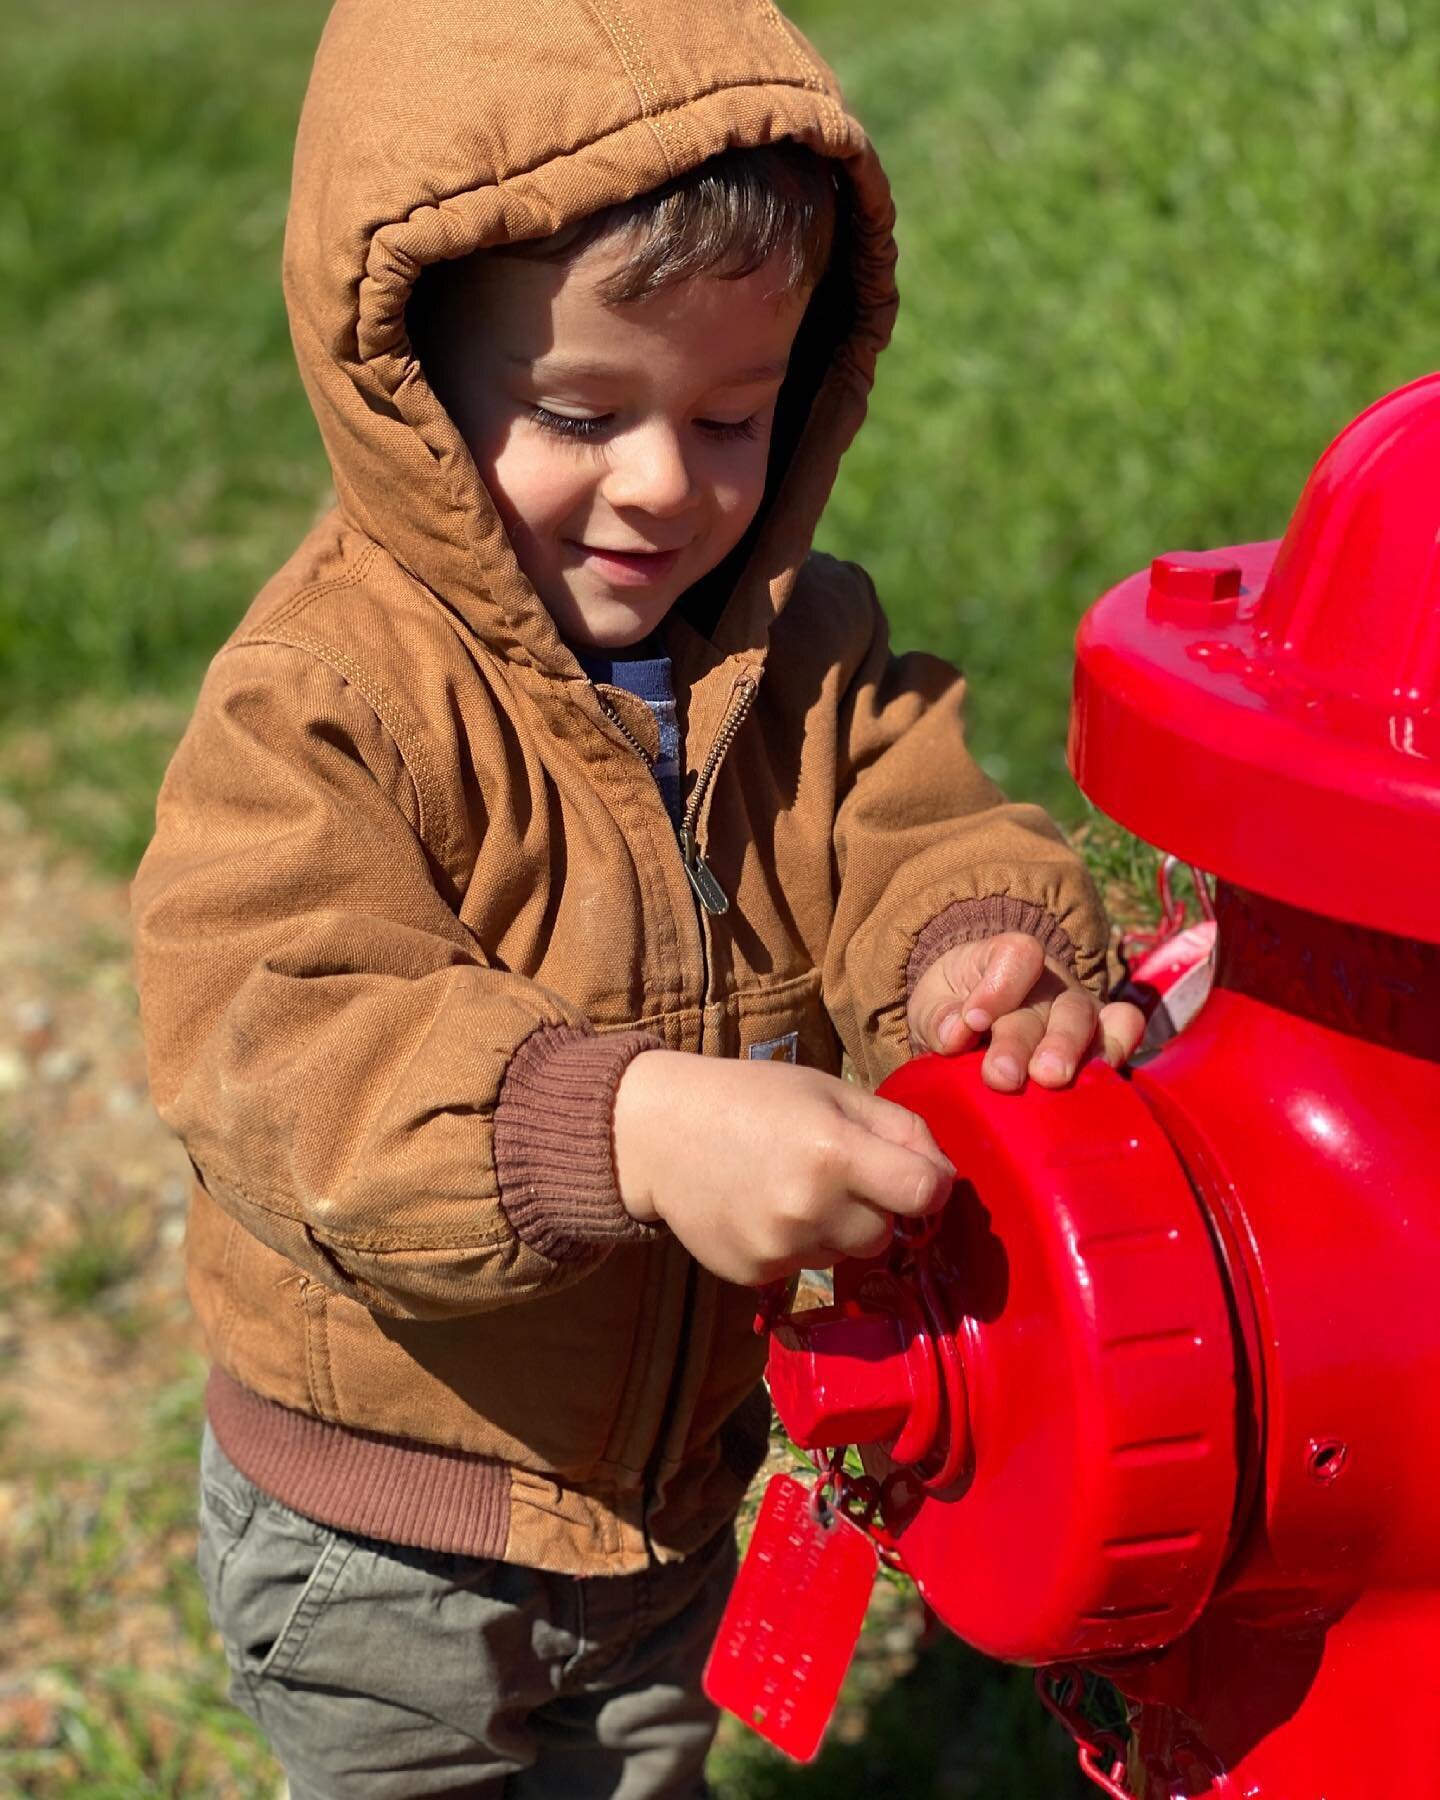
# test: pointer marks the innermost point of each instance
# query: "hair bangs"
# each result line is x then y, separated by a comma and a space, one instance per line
726, 218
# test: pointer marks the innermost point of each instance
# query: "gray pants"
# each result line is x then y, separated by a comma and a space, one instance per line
384, 1673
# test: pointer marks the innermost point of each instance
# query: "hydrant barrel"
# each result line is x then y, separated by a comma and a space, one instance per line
1288, 741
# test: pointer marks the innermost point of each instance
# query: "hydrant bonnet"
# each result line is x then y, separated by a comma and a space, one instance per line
1271, 713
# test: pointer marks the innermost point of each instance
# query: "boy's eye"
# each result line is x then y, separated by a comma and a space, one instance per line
568, 425
563, 425
731, 428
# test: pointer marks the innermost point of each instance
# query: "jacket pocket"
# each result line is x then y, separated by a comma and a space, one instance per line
786, 1021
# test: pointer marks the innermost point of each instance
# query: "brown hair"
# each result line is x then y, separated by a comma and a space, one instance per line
727, 217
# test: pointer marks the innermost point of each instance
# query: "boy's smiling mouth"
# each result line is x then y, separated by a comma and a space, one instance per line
633, 567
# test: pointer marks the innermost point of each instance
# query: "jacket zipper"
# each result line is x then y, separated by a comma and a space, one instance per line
714, 901
613, 715
708, 890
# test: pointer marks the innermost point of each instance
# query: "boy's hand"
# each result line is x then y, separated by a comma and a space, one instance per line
1041, 1021
762, 1168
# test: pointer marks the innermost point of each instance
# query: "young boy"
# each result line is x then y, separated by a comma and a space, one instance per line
545, 832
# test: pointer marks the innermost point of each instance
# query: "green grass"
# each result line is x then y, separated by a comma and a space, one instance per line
14, 1150
105, 1552
954, 1727
100, 1255
122, 1736
1152, 258
89, 770
156, 457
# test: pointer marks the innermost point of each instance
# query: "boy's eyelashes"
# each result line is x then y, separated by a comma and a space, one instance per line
563, 425
566, 425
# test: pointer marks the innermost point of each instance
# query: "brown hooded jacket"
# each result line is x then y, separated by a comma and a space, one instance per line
414, 900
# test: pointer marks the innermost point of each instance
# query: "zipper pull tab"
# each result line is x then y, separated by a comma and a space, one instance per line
708, 890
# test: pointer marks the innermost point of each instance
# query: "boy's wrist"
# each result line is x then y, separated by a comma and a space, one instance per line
991, 915
638, 1120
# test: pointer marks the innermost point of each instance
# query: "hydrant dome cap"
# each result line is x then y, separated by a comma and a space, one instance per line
1271, 712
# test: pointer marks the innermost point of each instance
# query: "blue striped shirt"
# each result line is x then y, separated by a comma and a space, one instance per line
649, 679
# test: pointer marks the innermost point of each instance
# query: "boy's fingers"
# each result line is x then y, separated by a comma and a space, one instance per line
1121, 1028
934, 1013
939, 1023
1014, 963
896, 1125
1013, 1041
892, 1176
1069, 1032
859, 1231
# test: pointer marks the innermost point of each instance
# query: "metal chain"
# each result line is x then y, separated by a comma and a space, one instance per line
1174, 914
1101, 1753
861, 1497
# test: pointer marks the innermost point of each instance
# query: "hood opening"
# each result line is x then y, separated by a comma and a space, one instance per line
429, 133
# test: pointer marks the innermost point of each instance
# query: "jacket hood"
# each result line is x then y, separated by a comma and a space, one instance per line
432, 131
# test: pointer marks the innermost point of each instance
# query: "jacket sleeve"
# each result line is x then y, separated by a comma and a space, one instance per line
929, 853
354, 1081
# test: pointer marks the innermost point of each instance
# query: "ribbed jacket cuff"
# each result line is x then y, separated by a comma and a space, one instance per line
966, 921
554, 1141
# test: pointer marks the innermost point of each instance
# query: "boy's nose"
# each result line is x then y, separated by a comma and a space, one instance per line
649, 472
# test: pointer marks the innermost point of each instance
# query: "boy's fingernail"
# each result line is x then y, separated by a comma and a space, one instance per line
947, 1032
1051, 1067
1007, 1070
977, 1019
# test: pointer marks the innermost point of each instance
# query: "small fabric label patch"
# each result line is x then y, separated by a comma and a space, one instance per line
777, 1049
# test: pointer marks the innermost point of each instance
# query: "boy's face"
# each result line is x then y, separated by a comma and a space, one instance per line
624, 444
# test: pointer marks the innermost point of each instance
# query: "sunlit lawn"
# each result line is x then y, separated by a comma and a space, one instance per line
1153, 257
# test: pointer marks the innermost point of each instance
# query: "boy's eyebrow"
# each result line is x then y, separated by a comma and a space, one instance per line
562, 367
771, 371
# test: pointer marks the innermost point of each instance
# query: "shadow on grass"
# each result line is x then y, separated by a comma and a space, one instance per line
956, 1726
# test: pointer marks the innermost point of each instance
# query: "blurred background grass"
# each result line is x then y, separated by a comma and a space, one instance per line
1152, 258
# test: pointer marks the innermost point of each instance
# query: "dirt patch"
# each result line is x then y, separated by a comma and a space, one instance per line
92, 1187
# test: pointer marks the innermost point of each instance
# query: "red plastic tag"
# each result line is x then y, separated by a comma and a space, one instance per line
793, 1619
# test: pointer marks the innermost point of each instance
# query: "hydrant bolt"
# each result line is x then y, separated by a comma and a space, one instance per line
1193, 587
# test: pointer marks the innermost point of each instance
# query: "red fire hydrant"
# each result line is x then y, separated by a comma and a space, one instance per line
1160, 1397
